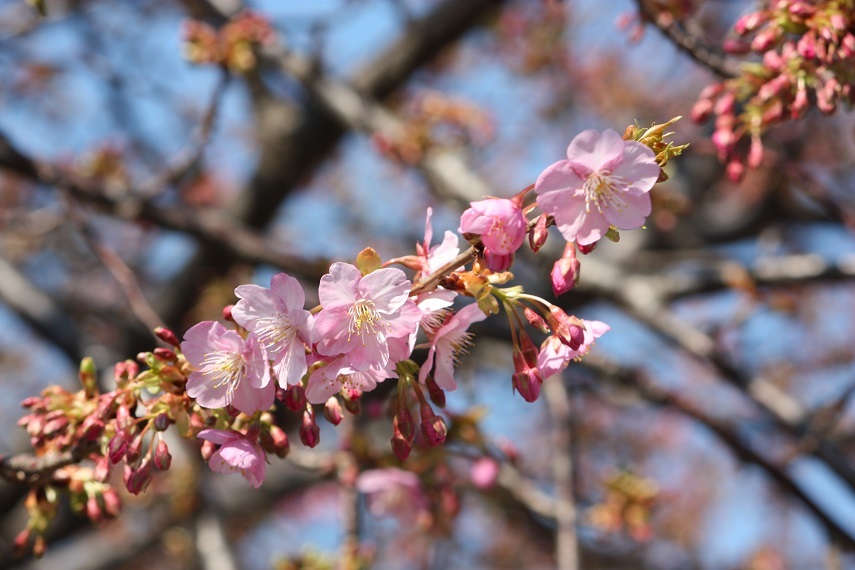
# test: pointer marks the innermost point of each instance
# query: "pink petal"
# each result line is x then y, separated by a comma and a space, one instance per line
290, 365
339, 286
593, 226
428, 229
217, 436
249, 400
387, 288
254, 302
201, 388
288, 293
630, 216
594, 150
638, 166
567, 209
474, 222
558, 176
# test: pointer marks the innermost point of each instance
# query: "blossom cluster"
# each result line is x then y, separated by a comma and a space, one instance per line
374, 325
806, 50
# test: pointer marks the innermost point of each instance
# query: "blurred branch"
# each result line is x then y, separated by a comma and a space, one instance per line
210, 227
43, 314
717, 62
29, 469
726, 433
566, 542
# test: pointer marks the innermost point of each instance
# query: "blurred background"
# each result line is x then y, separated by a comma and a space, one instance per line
710, 428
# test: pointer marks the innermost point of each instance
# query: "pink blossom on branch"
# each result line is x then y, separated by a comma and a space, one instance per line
502, 226
554, 355
448, 341
360, 314
280, 323
604, 182
229, 369
237, 453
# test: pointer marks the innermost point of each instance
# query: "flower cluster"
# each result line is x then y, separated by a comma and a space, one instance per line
220, 383
232, 46
807, 51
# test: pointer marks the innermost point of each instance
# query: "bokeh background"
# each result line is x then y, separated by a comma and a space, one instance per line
711, 427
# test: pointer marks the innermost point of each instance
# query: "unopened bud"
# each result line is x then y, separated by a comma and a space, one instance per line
434, 430
117, 447
112, 503
162, 458
227, 313
565, 272
310, 434
125, 371
535, 320
136, 480
436, 394
352, 400
162, 421
586, 249
295, 398
332, 411
92, 428
403, 422
31, 402
400, 446
88, 377
498, 262
165, 354
93, 510
281, 446
167, 336
569, 330
368, 260
538, 234
207, 450
528, 383
102, 469
22, 540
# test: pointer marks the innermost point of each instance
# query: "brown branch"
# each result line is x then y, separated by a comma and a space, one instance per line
29, 469
726, 433
717, 62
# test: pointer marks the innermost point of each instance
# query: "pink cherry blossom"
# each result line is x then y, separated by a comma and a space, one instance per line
237, 453
434, 257
360, 314
280, 323
332, 377
229, 369
393, 492
450, 339
565, 272
554, 355
604, 182
500, 223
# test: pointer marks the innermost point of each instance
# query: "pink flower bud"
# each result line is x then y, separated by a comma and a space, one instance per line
227, 313
117, 447
528, 383
102, 469
332, 411
162, 458
165, 354
136, 480
586, 249
498, 262
281, 445
125, 371
112, 503
162, 421
765, 39
310, 434
755, 153
569, 330
725, 104
207, 450
22, 539
93, 510
749, 22
167, 336
735, 47
403, 423
401, 446
484, 472
539, 233
434, 430
295, 398
838, 21
134, 450
701, 110
92, 428
565, 272
535, 320
807, 46
436, 394
735, 170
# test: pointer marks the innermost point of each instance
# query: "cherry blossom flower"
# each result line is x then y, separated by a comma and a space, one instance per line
434, 257
393, 492
554, 355
502, 226
237, 453
360, 314
448, 342
280, 323
229, 369
604, 182
330, 378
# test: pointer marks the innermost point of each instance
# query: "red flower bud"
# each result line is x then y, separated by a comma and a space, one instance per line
162, 458
93, 510
434, 429
332, 411
310, 434
112, 503
538, 234
586, 249
165, 354
227, 313
136, 480
295, 398
167, 336
565, 272
436, 394
569, 330
117, 447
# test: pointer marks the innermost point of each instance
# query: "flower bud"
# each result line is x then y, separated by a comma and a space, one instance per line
310, 434
167, 336
125, 371
295, 398
735, 170
207, 450
400, 446
117, 447
88, 377
161, 421
528, 383
102, 469
112, 503
332, 411
586, 249
498, 262
538, 234
227, 313
434, 429
165, 354
403, 422
162, 458
281, 445
352, 399
565, 272
93, 510
569, 330
134, 450
22, 539
136, 480
436, 394
535, 320
755, 152
92, 428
